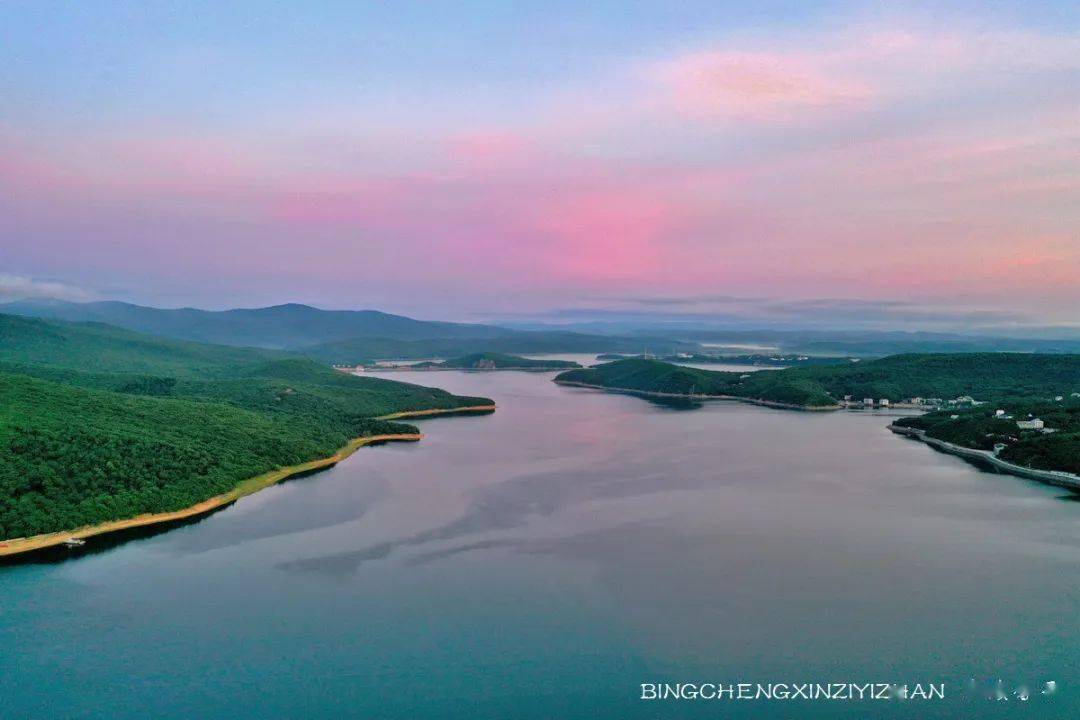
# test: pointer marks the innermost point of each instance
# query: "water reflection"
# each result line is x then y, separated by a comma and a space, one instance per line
512, 504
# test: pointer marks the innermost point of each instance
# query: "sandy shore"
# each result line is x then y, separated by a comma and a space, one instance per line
752, 401
443, 411
247, 487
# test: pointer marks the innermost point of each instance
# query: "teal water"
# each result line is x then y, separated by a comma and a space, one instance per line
544, 561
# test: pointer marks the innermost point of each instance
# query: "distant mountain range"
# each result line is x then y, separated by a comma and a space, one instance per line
335, 336
355, 336
279, 326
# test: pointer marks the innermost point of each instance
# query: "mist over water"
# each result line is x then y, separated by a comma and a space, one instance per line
544, 561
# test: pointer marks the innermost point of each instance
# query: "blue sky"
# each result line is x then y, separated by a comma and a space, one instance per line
555, 153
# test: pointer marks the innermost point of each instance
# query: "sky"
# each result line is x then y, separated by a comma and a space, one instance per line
916, 163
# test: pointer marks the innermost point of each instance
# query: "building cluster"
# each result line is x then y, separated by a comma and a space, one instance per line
349, 369
1031, 423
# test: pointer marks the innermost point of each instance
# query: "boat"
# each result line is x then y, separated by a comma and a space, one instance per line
74, 542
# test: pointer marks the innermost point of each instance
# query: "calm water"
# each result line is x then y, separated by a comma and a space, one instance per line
544, 561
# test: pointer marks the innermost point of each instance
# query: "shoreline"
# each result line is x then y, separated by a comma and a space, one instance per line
751, 401
248, 486
1058, 478
439, 411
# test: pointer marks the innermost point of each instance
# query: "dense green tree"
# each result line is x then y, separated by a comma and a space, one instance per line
99, 424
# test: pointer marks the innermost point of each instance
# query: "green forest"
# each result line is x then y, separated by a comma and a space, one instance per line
99, 423
984, 376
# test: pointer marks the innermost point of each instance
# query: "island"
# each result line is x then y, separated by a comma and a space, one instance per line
102, 428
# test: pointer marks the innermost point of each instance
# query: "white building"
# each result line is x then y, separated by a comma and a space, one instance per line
868, 402
884, 402
1035, 424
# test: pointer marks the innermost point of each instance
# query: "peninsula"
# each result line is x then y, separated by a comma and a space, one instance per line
100, 425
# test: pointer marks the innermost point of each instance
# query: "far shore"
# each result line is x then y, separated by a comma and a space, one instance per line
699, 396
18, 546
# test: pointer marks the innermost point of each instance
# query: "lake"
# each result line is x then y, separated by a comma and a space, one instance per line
546, 560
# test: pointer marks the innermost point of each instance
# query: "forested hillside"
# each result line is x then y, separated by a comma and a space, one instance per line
328, 336
98, 423
279, 326
74, 456
981, 375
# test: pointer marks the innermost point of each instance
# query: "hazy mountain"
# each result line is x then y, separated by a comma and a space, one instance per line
280, 326
329, 335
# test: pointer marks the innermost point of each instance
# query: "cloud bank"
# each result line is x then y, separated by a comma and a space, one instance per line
17, 287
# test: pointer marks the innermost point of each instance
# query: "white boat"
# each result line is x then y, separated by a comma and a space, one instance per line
74, 542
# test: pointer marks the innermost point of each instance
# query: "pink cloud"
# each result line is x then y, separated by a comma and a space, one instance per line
760, 86
601, 236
